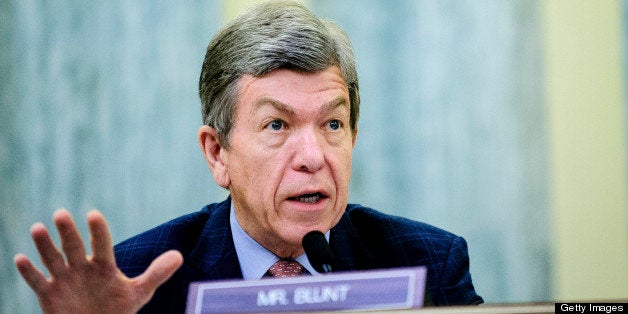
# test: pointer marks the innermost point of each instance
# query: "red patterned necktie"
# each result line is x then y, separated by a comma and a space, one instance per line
285, 268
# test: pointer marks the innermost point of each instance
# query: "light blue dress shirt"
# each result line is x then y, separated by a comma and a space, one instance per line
254, 259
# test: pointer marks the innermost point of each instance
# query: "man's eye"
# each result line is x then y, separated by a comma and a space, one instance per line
334, 124
275, 125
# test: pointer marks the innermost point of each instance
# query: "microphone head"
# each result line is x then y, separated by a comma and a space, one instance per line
318, 251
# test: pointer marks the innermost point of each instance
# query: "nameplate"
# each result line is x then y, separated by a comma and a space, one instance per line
400, 288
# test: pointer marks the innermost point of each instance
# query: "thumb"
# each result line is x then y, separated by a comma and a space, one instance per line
159, 271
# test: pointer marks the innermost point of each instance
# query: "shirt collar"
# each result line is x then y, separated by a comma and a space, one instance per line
254, 259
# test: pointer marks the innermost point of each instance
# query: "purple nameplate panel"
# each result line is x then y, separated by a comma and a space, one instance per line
400, 288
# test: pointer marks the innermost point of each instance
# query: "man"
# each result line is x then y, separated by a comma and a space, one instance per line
280, 107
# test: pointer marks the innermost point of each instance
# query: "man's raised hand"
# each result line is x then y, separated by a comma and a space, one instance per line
89, 284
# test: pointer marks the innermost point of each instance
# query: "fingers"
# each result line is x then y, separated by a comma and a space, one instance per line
48, 252
33, 277
71, 241
159, 271
102, 246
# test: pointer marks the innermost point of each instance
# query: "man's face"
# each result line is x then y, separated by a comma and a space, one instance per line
289, 160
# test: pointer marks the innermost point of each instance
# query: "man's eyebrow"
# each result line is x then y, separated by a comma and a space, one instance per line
330, 106
274, 103
327, 107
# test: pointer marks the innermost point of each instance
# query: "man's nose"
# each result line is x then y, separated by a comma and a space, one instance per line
308, 150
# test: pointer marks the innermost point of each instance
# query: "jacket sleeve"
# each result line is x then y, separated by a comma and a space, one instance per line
455, 286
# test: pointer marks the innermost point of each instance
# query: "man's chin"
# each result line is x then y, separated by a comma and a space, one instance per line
298, 231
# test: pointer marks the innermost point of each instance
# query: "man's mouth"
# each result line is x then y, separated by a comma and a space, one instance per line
308, 198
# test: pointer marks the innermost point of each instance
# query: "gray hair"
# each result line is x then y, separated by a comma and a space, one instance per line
272, 35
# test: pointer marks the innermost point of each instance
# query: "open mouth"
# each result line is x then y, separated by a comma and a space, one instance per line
308, 198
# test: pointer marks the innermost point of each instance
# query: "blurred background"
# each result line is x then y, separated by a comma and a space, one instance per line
502, 121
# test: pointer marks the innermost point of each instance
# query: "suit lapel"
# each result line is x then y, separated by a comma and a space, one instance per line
350, 252
215, 254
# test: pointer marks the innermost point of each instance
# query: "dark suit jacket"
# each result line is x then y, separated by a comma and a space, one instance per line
363, 239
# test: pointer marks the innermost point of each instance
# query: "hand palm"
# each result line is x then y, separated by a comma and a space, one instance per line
89, 284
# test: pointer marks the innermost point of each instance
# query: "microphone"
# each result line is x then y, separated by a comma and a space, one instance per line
318, 251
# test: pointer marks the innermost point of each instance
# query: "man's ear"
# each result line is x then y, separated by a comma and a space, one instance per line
210, 145
355, 137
